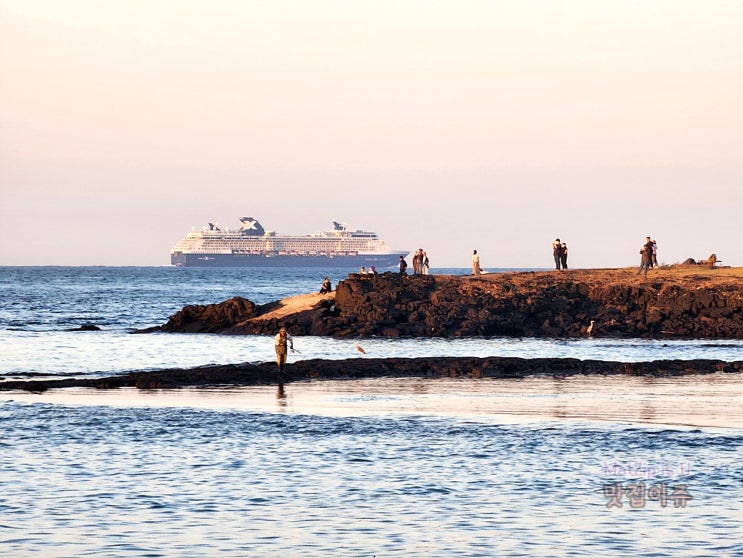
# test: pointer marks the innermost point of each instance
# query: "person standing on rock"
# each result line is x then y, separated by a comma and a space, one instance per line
647, 256
476, 264
418, 262
564, 255
403, 266
557, 252
655, 253
425, 264
280, 341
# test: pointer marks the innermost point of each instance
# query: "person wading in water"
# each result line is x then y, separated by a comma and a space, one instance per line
279, 341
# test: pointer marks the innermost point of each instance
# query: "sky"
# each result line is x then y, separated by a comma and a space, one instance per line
447, 125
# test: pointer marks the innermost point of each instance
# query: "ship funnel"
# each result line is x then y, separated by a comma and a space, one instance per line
251, 227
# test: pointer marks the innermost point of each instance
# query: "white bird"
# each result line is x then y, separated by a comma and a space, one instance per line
589, 329
359, 349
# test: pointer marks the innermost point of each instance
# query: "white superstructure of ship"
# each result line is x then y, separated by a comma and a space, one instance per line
253, 246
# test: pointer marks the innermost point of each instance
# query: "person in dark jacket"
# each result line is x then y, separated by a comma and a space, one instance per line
647, 256
564, 255
326, 286
557, 252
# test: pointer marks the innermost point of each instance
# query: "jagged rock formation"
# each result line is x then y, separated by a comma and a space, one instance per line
667, 303
212, 317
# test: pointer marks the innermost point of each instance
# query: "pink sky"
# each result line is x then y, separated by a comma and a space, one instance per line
444, 125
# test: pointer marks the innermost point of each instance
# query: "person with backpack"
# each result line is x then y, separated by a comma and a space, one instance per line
403, 266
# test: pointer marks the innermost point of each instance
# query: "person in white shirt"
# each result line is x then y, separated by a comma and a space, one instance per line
476, 264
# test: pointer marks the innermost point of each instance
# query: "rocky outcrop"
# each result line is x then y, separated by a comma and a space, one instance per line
440, 367
667, 303
86, 327
212, 317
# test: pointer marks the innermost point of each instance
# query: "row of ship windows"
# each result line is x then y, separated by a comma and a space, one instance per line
293, 245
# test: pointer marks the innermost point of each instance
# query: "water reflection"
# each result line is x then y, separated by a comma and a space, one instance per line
104, 353
697, 400
281, 396
560, 408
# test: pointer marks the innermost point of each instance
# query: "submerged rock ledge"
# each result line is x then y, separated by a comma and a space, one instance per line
670, 302
423, 367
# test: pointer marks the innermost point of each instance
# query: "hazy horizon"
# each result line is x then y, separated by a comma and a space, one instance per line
451, 126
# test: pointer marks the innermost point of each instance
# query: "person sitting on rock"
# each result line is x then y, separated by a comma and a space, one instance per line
326, 286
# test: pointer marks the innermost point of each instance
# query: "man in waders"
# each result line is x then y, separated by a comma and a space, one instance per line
280, 340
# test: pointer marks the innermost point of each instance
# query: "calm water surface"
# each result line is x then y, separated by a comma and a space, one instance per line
407, 468
377, 468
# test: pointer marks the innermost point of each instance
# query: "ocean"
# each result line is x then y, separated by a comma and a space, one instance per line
582, 466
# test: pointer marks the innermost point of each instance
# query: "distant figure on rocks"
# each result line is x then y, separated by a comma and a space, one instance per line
418, 262
564, 255
557, 252
280, 341
326, 286
647, 256
425, 264
362, 271
372, 270
476, 264
655, 254
403, 266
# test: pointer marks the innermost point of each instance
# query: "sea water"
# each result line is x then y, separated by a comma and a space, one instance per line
583, 466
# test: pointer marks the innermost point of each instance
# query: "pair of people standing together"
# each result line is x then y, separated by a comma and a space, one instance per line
649, 253
560, 253
420, 262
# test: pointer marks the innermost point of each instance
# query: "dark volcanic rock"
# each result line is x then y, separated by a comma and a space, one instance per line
446, 367
211, 318
531, 304
86, 327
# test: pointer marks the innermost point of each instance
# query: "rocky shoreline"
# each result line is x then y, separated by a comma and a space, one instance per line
439, 367
668, 303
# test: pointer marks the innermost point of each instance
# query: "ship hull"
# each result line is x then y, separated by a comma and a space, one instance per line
379, 261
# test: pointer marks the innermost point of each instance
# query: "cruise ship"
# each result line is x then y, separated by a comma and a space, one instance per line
252, 246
